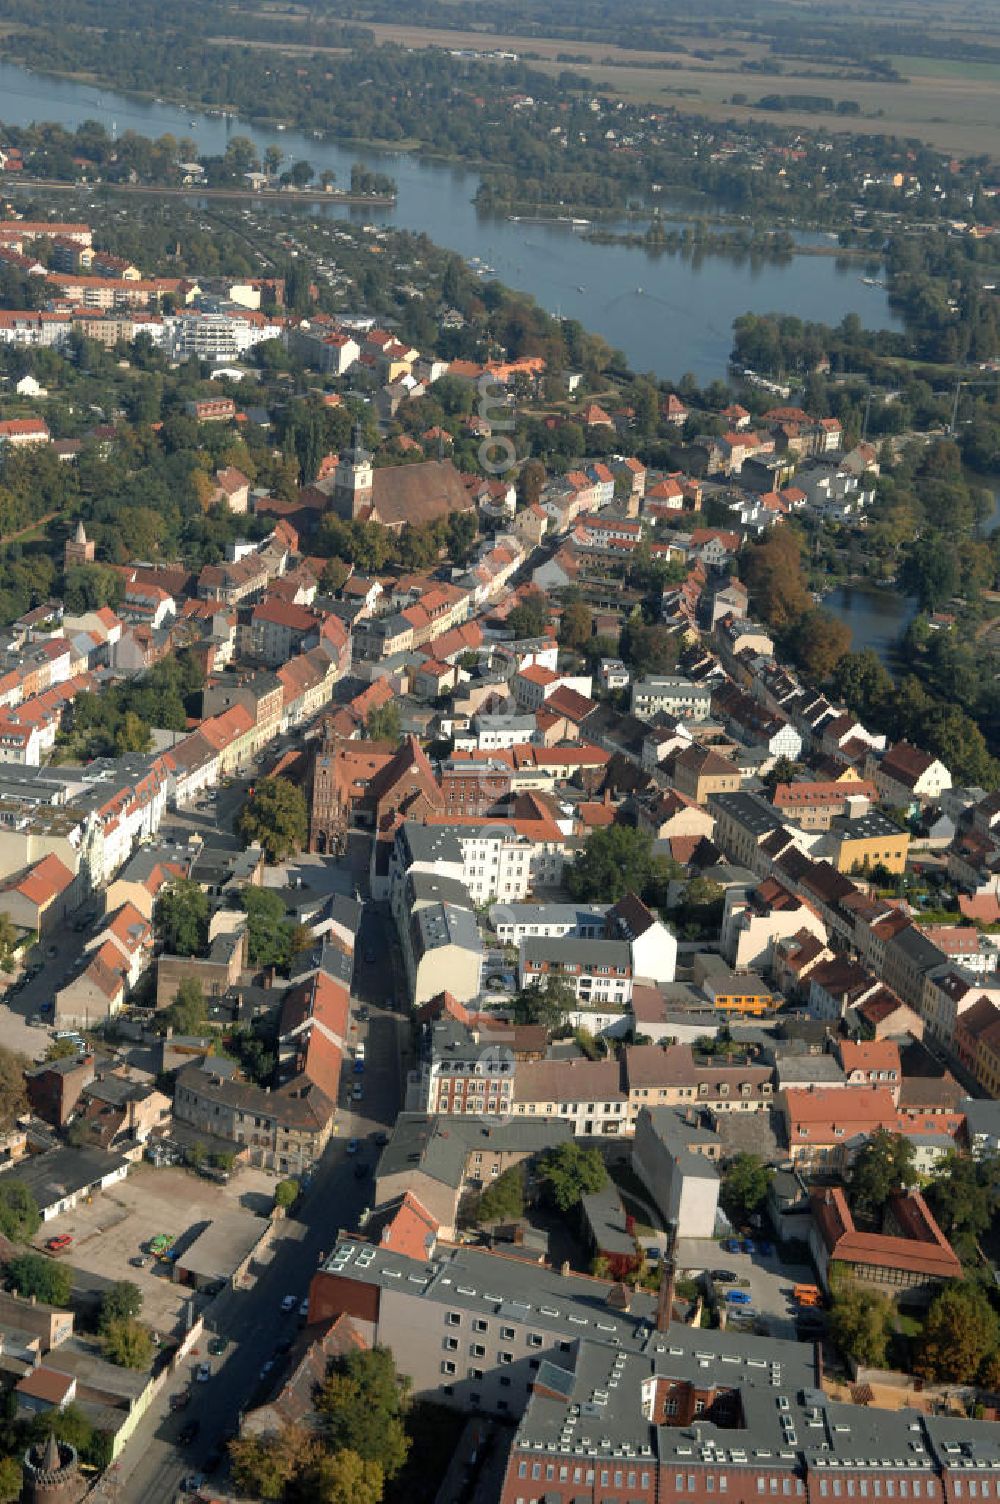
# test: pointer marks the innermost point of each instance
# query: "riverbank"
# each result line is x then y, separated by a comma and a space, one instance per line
697, 298
196, 190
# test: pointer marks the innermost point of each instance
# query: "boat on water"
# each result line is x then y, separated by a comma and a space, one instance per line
579, 221
579, 288
873, 282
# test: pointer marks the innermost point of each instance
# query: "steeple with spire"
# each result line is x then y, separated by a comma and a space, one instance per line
353, 479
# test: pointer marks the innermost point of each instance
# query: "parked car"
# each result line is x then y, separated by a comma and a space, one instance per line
217, 1346
203, 1373
139, 1261
749, 1246
357, 1092
268, 1368
382, 1139
732, 1245
304, 1306
738, 1297
60, 1243
193, 1483
289, 1302
181, 1398
353, 1145
724, 1276
359, 1067
188, 1433
765, 1246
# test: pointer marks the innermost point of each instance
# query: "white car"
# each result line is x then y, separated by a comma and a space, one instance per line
203, 1373
304, 1308
289, 1303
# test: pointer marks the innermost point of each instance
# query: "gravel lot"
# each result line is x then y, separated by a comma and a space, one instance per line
117, 1223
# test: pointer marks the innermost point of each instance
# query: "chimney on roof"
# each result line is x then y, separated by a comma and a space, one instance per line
665, 1298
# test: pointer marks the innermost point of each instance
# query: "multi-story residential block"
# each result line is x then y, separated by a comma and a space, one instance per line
514, 922
676, 1158
669, 695
599, 971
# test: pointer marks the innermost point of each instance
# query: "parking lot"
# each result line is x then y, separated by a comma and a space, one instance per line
118, 1223
770, 1280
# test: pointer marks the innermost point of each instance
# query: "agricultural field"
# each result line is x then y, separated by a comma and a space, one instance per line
949, 102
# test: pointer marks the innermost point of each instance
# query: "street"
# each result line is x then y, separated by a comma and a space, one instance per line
154, 1463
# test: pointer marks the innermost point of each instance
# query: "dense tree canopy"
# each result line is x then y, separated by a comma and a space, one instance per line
275, 817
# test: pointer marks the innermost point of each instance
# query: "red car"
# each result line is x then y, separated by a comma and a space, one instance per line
59, 1244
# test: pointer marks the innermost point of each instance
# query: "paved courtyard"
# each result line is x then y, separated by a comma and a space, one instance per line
118, 1223
770, 1279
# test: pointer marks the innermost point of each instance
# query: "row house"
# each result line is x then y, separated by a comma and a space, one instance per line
598, 971
976, 1044
907, 776
754, 922
827, 1127
284, 1130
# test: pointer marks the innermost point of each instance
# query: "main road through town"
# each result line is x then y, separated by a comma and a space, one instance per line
154, 1464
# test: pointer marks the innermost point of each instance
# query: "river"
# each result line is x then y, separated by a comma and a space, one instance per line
667, 313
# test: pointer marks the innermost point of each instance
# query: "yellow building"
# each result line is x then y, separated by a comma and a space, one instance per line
867, 841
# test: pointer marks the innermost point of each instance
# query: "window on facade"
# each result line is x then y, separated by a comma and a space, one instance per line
447, 1367
454, 1319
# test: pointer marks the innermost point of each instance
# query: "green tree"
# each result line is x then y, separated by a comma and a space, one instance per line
275, 817
60, 1049
820, 640
334, 576
615, 860
33, 1275
263, 1466
269, 930
181, 917
772, 572
570, 1172
576, 627
19, 1215
362, 1404
382, 723
960, 1334
503, 1198
127, 1342
8, 936
343, 1477
121, 1301
133, 735
885, 1165
11, 1480
530, 617
965, 1195
286, 1193
187, 1013
13, 1093
546, 1005
530, 480
745, 1182
861, 1322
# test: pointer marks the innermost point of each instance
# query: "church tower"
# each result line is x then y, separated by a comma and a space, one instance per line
353, 480
79, 549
